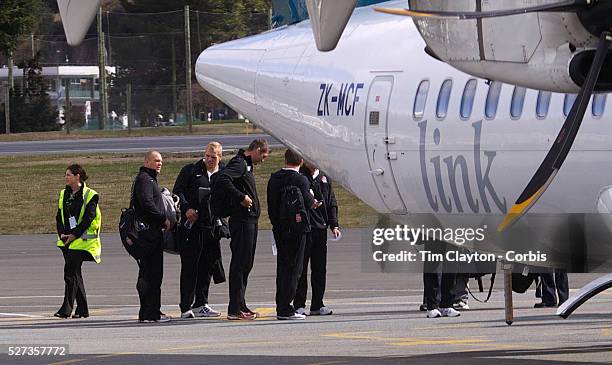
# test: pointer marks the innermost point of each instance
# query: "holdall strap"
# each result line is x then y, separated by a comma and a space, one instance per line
132, 193
490, 289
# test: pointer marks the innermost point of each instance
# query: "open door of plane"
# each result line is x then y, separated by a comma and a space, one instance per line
377, 142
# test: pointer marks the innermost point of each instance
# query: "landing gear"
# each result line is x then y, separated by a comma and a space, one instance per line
585, 293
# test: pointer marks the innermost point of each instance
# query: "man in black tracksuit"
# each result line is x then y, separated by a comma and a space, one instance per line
149, 209
290, 244
238, 182
316, 243
200, 247
551, 282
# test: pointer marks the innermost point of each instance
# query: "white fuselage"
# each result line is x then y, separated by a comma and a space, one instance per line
325, 105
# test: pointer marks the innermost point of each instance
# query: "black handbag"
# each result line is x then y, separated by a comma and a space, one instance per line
128, 231
131, 229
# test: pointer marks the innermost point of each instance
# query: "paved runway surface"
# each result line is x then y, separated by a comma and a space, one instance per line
136, 144
375, 320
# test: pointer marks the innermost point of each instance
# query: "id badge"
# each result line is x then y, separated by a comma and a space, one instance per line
72, 222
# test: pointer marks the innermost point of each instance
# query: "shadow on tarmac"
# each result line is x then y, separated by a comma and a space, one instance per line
499, 357
531, 321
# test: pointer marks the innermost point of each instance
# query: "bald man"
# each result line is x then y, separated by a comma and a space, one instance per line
149, 209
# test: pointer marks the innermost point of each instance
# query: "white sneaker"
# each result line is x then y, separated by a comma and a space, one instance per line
449, 312
164, 318
323, 311
294, 316
205, 311
461, 305
188, 314
434, 313
301, 311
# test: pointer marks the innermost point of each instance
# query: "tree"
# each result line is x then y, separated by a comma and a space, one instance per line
145, 60
31, 109
17, 17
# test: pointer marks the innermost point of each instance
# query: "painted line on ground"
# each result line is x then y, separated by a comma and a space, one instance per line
21, 315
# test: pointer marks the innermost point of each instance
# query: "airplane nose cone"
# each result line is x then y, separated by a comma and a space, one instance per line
228, 71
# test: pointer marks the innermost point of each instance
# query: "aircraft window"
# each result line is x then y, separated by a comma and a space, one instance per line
518, 102
599, 104
543, 104
493, 99
568, 103
421, 99
467, 101
444, 98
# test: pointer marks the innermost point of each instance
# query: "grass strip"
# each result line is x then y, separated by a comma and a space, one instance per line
200, 128
29, 188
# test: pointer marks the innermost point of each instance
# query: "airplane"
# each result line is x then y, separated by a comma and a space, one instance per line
417, 138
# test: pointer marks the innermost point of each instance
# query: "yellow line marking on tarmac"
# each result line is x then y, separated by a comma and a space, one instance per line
419, 342
115, 354
449, 326
102, 311
355, 335
266, 311
495, 347
256, 341
183, 348
217, 345
67, 362
20, 315
21, 319
405, 341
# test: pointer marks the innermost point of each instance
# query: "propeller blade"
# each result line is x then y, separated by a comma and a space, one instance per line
563, 144
461, 15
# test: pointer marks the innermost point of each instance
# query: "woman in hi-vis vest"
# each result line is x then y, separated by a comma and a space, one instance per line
78, 230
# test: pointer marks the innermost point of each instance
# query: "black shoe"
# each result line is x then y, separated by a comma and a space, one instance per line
62, 316
80, 315
423, 307
544, 305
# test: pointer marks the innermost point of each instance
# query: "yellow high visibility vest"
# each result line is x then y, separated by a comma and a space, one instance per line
90, 240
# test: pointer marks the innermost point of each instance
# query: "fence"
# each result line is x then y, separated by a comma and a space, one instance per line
145, 55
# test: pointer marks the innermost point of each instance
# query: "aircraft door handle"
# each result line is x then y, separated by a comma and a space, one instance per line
377, 172
389, 140
391, 156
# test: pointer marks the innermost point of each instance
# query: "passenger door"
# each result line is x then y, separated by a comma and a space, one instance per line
377, 142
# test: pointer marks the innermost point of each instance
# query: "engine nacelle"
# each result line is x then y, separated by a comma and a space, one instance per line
545, 51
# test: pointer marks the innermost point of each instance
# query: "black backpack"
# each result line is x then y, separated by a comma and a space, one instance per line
293, 214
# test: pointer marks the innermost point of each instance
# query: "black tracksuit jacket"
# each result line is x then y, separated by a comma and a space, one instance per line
279, 180
186, 187
236, 180
148, 202
326, 215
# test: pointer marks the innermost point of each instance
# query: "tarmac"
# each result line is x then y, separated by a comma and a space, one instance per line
376, 317
130, 144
